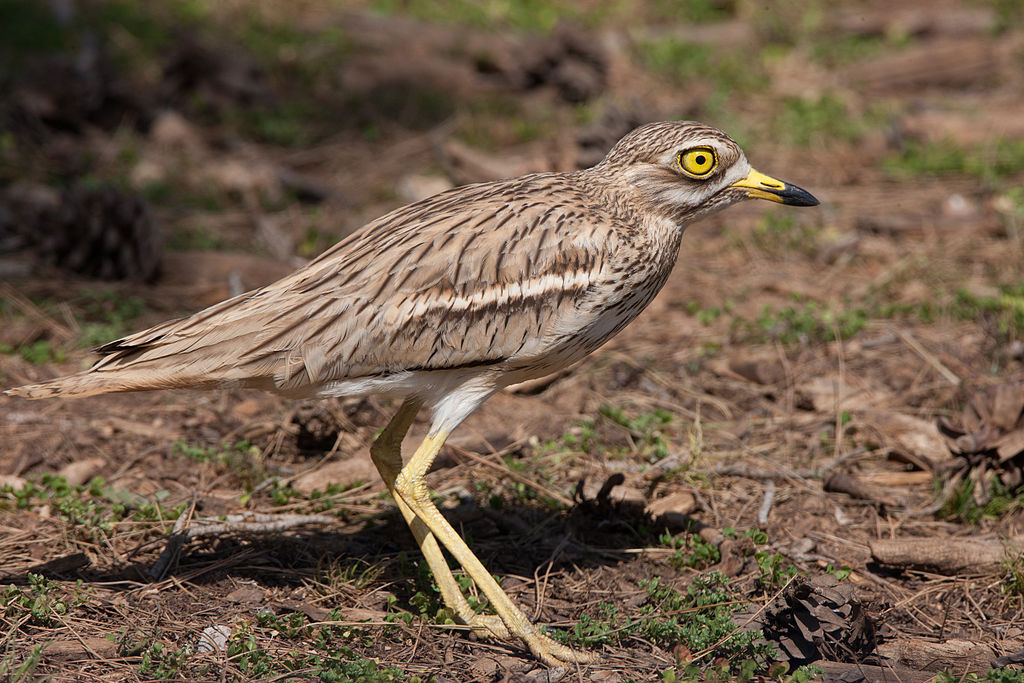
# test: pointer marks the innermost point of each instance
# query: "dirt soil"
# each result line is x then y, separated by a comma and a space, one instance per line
774, 415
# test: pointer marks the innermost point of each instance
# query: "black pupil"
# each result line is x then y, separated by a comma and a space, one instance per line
699, 159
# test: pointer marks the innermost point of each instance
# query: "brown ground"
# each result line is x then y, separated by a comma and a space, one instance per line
793, 369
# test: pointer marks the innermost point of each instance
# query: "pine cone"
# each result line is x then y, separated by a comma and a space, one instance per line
108, 234
100, 232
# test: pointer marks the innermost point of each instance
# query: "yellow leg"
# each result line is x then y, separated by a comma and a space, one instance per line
386, 453
411, 487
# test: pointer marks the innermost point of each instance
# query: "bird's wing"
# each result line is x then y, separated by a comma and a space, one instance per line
475, 276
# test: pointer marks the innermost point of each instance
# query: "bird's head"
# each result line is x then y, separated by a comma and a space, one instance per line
686, 169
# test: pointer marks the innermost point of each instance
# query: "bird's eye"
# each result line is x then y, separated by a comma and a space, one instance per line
698, 162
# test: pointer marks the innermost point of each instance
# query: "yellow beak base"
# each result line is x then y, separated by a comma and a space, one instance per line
761, 186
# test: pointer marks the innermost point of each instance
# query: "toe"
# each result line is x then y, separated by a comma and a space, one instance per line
488, 626
553, 653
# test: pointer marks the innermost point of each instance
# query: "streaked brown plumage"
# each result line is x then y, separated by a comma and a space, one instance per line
445, 301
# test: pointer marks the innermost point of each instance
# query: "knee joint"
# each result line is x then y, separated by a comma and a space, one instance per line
411, 489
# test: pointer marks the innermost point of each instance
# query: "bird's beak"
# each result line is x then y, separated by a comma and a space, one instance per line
761, 186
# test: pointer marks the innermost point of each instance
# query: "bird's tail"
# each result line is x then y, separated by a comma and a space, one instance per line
92, 382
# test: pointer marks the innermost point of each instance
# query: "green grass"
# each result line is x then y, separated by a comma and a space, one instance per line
91, 510
691, 551
494, 122
525, 15
684, 64
811, 121
196, 237
646, 430
42, 603
272, 647
803, 322
783, 235
28, 26
991, 161
1013, 573
242, 459
774, 570
991, 676
698, 619
839, 51
42, 351
689, 11
136, 32
15, 668
620, 431
960, 506
288, 124
105, 316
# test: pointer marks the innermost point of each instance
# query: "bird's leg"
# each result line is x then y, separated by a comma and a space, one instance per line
386, 453
412, 489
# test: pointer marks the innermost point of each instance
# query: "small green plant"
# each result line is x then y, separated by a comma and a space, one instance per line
698, 619
961, 506
645, 429
701, 619
1013, 567
685, 63
991, 676
106, 316
677, 60
991, 162
44, 601
91, 510
528, 15
161, 662
248, 652
841, 573
241, 458
691, 551
706, 316
810, 322
15, 669
807, 121
780, 235
589, 631
583, 437
774, 570
42, 351
1007, 309
836, 51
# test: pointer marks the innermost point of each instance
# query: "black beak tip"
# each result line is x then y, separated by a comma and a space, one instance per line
797, 196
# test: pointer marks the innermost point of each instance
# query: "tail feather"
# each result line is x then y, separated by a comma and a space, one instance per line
91, 383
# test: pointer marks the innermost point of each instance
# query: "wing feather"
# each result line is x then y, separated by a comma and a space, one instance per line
477, 275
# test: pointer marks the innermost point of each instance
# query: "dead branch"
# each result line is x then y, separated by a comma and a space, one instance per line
945, 555
839, 482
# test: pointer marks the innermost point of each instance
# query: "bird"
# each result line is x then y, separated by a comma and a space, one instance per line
442, 303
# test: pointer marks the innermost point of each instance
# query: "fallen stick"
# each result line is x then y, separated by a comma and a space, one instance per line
249, 523
945, 555
839, 482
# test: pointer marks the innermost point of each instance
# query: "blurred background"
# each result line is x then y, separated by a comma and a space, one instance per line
158, 157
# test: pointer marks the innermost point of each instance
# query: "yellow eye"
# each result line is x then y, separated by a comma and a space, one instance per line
698, 162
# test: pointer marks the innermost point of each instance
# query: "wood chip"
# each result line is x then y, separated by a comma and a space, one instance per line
81, 471
86, 648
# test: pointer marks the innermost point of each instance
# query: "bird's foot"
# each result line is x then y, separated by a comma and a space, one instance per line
552, 653
544, 647
487, 626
